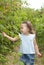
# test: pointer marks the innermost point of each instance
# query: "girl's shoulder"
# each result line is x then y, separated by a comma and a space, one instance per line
33, 35
20, 35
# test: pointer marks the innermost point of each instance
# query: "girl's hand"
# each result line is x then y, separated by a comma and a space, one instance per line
4, 34
39, 54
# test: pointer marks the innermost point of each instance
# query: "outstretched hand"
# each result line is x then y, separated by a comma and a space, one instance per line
4, 34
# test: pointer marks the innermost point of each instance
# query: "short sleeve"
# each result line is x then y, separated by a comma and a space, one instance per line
34, 36
19, 35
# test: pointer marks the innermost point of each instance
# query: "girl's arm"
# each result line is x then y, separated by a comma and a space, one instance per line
10, 38
36, 48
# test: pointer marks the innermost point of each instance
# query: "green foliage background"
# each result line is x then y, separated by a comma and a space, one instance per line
11, 16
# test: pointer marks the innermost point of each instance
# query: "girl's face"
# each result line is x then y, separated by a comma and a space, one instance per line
24, 29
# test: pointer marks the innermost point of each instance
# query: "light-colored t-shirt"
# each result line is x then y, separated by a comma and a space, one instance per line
27, 44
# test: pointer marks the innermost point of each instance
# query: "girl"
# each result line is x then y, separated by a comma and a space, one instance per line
28, 46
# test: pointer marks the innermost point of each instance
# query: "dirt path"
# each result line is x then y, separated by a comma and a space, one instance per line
12, 60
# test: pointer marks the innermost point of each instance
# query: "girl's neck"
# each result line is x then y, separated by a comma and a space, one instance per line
27, 33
